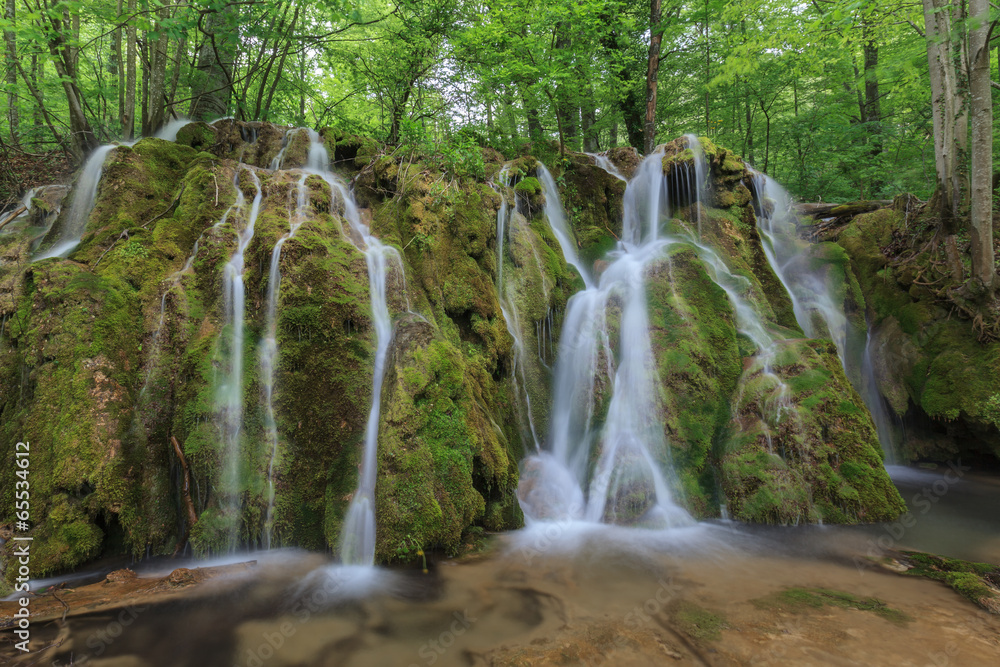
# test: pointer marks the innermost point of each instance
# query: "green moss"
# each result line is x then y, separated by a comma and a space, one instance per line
977, 582
797, 600
697, 622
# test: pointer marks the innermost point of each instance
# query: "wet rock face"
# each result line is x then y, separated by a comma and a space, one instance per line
109, 354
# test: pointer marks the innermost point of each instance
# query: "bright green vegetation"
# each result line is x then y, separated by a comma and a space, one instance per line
799, 600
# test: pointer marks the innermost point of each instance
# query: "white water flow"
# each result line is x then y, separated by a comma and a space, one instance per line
749, 323
230, 399
615, 469
511, 317
279, 160
357, 539
557, 221
817, 309
700, 173
169, 131
607, 165
269, 348
83, 203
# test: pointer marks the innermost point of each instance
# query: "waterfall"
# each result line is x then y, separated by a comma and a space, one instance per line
286, 141
269, 347
607, 165
790, 258
817, 309
557, 221
357, 540
230, 399
700, 172
630, 478
169, 131
511, 317
84, 196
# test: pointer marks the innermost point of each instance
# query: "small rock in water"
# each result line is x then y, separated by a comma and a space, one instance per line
122, 576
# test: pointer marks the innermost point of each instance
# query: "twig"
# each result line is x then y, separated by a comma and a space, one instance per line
175, 202
123, 235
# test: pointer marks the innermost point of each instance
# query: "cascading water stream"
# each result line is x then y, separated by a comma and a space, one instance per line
700, 172
817, 309
84, 196
357, 540
510, 314
169, 131
230, 400
317, 162
557, 221
607, 165
630, 447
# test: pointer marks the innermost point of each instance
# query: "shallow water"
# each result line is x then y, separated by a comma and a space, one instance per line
574, 592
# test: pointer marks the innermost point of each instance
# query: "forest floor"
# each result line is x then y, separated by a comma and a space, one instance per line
22, 170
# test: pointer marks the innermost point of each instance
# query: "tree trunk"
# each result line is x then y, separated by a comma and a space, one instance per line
128, 114
119, 64
531, 114
947, 109
10, 37
213, 85
652, 73
157, 78
981, 227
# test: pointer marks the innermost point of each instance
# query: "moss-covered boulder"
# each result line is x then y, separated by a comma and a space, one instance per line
802, 444
933, 368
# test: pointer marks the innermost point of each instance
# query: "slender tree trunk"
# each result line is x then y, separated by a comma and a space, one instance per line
708, 75
119, 64
35, 80
652, 74
981, 97
531, 114
179, 59
157, 79
10, 38
144, 53
128, 113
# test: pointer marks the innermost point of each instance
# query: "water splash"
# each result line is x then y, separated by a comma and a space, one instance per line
84, 196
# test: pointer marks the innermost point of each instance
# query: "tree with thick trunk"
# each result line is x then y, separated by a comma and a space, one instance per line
981, 108
213, 81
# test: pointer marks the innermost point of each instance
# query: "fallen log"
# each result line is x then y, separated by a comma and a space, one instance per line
16, 212
849, 209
